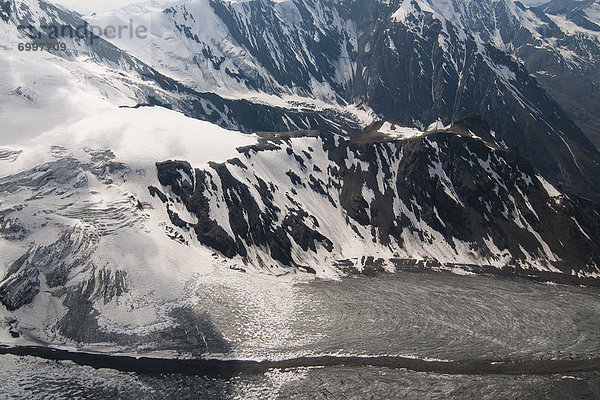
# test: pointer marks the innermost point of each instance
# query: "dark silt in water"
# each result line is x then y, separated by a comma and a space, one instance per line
424, 315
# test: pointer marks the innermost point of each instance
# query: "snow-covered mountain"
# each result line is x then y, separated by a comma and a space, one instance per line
125, 179
147, 85
413, 60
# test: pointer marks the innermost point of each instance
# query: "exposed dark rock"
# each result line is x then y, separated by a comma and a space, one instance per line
21, 284
413, 71
170, 174
295, 179
176, 220
156, 192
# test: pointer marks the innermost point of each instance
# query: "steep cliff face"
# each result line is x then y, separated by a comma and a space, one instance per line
322, 65
564, 56
87, 255
447, 195
558, 42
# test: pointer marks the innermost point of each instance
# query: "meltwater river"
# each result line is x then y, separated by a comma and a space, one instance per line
425, 315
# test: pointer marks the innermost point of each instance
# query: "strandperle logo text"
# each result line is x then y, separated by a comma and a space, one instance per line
83, 32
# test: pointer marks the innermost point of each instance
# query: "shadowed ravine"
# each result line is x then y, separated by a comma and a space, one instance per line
230, 368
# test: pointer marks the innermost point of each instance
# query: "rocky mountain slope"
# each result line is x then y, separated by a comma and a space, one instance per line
558, 42
572, 76
446, 195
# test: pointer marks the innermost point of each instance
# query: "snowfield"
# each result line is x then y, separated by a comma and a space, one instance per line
399, 132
